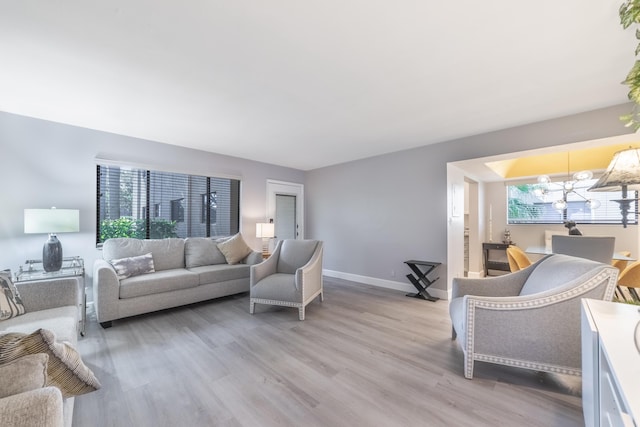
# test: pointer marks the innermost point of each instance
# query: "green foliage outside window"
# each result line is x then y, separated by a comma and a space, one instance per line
630, 15
518, 205
135, 228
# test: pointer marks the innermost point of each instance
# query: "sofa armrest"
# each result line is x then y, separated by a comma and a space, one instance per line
499, 286
106, 291
44, 294
309, 276
40, 407
265, 268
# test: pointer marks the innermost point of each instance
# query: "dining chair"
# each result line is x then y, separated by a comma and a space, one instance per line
596, 248
629, 281
517, 258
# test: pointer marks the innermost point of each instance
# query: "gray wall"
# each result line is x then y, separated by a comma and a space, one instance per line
47, 164
375, 213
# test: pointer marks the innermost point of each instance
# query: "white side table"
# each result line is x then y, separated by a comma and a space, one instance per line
610, 364
71, 267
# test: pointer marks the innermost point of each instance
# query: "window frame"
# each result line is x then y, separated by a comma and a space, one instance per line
231, 190
614, 218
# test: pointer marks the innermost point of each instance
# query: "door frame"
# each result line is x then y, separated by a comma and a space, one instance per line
289, 189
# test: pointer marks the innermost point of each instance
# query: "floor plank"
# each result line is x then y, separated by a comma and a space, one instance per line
364, 357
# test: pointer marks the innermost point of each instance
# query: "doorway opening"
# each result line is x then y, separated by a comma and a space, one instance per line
285, 205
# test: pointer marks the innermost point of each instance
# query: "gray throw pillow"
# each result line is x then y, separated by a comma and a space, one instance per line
133, 266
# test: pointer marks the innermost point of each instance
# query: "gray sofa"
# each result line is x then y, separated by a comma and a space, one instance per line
185, 271
531, 318
52, 305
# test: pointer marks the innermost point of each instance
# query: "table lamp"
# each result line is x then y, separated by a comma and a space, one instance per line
623, 174
51, 221
265, 231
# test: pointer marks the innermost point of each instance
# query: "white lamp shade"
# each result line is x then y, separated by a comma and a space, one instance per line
51, 220
265, 230
624, 170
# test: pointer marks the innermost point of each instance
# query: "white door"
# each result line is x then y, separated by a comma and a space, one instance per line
286, 226
285, 205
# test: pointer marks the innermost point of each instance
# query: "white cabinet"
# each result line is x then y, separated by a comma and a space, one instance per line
610, 364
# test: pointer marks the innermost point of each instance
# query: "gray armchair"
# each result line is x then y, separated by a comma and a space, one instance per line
531, 318
291, 276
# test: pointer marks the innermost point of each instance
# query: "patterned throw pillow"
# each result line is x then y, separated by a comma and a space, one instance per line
133, 266
10, 302
234, 249
65, 368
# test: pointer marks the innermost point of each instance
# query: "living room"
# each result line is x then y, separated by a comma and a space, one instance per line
373, 211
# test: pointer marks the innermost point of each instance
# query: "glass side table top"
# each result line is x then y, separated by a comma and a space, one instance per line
34, 270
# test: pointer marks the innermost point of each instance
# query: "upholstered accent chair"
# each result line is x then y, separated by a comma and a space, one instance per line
517, 258
291, 276
531, 318
597, 248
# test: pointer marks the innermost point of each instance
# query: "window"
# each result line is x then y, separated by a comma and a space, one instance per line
177, 210
179, 204
525, 205
212, 202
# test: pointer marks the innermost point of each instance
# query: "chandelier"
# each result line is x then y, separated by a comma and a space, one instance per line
568, 186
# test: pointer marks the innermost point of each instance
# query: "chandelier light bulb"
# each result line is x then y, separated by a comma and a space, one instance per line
544, 179
582, 175
559, 205
593, 204
568, 186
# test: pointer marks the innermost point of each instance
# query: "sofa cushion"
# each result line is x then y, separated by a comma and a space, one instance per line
10, 302
63, 321
133, 266
295, 254
65, 368
158, 282
41, 407
23, 374
234, 249
221, 273
278, 286
199, 251
554, 271
167, 253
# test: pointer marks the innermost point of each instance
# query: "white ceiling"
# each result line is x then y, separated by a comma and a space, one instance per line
309, 83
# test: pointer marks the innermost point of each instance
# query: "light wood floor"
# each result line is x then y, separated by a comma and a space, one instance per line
364, 357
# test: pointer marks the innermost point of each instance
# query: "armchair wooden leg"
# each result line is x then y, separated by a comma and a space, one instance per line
301, 313
321, 296
468, 367
252, 307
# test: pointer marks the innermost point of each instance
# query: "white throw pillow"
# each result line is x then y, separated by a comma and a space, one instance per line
235, 249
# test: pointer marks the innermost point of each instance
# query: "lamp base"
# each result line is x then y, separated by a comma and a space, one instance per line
52, 254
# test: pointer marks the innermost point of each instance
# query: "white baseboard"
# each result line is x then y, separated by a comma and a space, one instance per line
382, 283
